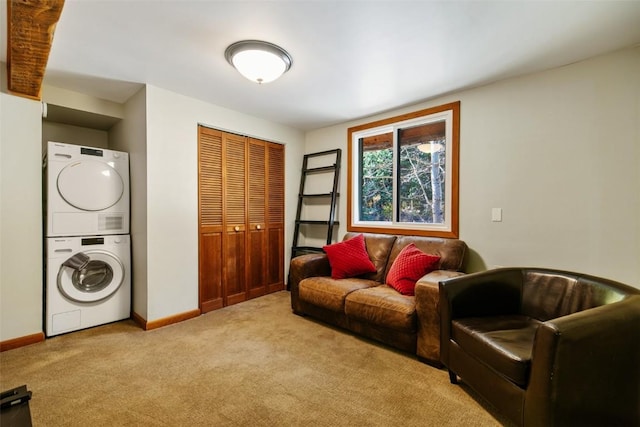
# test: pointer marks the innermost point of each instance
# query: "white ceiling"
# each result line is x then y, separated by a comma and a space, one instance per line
350, 58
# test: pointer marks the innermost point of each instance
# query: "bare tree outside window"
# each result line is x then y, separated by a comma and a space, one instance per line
422, 174
377, 184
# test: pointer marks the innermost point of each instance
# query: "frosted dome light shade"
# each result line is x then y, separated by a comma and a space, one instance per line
259, 66
258, 61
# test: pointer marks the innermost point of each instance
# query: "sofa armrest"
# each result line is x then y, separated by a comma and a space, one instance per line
304, 266
585, 368
433, 278
427, 297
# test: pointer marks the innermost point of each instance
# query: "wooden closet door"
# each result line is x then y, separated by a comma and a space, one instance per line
257, 231
210, 219
275, 217
241, 218
235, 218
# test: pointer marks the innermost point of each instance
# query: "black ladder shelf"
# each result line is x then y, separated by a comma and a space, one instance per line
331, 196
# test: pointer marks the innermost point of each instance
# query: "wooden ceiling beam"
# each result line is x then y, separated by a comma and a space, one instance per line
30, 24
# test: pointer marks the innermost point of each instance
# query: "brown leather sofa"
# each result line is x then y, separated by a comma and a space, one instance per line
545, 347
367, 306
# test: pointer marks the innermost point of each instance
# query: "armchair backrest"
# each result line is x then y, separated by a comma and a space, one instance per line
549, 294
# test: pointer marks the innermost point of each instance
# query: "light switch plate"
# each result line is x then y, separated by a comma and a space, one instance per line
496, 214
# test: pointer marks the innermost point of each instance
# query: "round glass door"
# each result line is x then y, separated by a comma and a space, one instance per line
98, 279
90, 185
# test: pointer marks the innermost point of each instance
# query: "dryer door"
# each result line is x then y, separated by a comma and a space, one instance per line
99, 278
90, 185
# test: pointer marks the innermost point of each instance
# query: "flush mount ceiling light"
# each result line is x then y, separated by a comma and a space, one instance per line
259, 61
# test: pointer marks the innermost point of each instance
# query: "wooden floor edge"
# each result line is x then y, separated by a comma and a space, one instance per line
21, 341
165, 321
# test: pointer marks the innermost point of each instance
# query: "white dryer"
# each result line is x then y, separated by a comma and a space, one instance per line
88, 282
87, 191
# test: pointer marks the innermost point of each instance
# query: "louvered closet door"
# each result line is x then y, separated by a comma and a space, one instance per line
241, 213
235, 214
257, 230
210, 219
275, 217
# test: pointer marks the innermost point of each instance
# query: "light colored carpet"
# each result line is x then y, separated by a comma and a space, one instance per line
251, 364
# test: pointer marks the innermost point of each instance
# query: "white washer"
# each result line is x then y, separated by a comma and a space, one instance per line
88, 282
87, 190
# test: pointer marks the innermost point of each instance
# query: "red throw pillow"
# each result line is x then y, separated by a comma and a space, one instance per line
349, 258
409, 266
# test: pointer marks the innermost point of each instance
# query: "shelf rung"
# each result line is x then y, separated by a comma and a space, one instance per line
318, 195
310, 222
323, 153
306, 249
319, 169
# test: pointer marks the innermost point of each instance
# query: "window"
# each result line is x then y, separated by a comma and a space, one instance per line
403, 174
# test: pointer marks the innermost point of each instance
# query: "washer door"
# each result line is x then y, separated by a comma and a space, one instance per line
97, 280
90, 185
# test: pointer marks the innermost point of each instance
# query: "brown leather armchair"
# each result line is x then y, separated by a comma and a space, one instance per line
545, 347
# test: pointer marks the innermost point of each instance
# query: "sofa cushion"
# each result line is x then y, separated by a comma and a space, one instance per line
330, 293
378, 247
382, 305
349, 258
410, 265
504, 343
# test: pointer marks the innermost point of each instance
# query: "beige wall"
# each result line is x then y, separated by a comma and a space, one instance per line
559, 152
77, 135
81, 102
130, 135
21, 262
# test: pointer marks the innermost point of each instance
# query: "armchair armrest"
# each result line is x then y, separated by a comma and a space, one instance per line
585, 368
303, 266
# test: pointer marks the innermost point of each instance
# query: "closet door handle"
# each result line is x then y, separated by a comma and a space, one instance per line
258, 227
236, 228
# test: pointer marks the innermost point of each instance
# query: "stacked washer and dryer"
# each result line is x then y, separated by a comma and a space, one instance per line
88, 246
